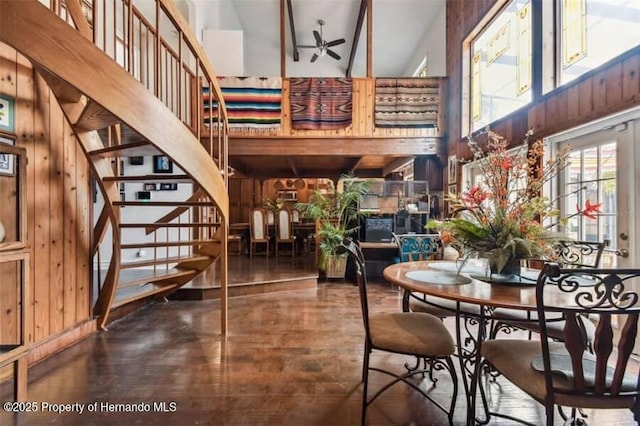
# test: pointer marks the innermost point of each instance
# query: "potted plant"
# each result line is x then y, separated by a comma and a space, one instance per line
503, 216
337, 216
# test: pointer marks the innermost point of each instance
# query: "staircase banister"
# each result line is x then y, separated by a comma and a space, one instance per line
117, 91
178, 20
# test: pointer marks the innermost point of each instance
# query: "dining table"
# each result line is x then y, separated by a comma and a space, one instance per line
470, 285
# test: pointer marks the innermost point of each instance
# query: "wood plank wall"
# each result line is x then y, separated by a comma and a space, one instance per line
614, 88
58, 203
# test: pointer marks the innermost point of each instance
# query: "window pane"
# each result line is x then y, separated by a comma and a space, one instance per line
594, 31
501, 65
589, 194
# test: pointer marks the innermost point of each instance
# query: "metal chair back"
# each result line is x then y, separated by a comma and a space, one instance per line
578, 254
604, 374
413, 247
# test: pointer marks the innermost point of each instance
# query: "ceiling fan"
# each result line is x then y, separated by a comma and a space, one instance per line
322, 45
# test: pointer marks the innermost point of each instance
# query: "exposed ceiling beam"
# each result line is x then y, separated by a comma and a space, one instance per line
397, 164
307, 174
353, 147
283, 42
356, 36
355, 165
240, 166
296, 55
369, 38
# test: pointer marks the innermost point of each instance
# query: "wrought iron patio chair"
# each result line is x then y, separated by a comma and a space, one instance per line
568, 254
409, 333
565, 373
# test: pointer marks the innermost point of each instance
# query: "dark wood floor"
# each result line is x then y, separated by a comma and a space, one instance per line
291, 358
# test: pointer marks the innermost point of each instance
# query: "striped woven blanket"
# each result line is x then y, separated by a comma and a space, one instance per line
252, 102
406, 102
321, 103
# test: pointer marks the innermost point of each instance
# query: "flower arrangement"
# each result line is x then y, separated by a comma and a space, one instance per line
273, 203
505, 217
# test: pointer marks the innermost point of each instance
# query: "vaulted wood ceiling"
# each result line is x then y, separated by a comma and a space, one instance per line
399, 28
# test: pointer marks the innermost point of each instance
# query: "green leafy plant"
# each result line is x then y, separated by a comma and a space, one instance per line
337, 212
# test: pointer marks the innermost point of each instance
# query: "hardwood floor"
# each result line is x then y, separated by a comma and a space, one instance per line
291, 358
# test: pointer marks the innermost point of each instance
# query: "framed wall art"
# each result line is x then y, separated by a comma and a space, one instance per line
7, 161
136, 161
168, 186
7, 113
162, 164
452, 169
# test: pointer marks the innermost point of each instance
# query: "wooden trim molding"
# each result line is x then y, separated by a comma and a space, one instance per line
54, 344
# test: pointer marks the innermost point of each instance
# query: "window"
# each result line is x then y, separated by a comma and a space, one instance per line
592, 32
501, 66
591, 178
422, 70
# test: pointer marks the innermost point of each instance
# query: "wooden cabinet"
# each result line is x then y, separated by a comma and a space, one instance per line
244, 195
14, 269
429, 168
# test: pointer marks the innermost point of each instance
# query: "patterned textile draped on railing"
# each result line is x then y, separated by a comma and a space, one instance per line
321, 103
252, 103
406, 102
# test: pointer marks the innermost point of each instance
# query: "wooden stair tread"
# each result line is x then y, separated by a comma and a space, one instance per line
150, 178
180, 243
128, 135
95, 117
176, 203
143, 295
163, 261
133, 149
155, 276
170, 225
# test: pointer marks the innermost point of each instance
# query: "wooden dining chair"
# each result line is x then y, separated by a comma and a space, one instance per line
284, 231
295, 215
258, 230
565, 373
409, 333
271, 221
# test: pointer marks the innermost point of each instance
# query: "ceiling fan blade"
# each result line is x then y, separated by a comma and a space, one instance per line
335, 42
306, 46
314, 57
333, 54
316, 34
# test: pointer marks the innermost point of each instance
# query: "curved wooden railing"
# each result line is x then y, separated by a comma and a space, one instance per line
129, 91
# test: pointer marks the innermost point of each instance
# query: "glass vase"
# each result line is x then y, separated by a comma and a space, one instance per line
512, 267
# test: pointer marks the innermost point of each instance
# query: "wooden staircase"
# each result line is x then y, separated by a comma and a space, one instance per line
115, 116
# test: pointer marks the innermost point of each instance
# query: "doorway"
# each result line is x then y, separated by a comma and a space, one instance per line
605, 159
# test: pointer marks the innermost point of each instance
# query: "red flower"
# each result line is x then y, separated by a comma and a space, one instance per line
590, 210
506, 163
475, 196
